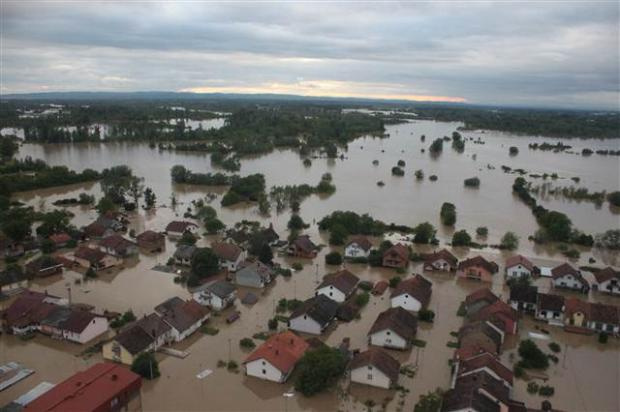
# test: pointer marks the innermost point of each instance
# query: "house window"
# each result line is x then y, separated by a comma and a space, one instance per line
609, 328
369, 367
264, 371
369, 377
388, 332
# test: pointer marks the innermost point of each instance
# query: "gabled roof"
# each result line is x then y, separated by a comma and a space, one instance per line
524, 293
77, 321
89, 254
342, 280
87, 390
362, 241
221, 288
482, 294
137, 336
116, 242
486, 360
609, 314
149, 236
42, 263
574, 305
29, 307
60, 238
304, 243
550, 302
563, 270
418, 287
478, 261
519, 260
254, 268
12, 275
269, 234
398, 320
179, 226
399, 250
180, 314
606, 274
95, 229
443, 254
470, 393
226, 251
496, 310
320, 308
379, 359
282, 350
484, 328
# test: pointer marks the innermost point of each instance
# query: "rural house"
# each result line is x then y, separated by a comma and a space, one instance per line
523, 298
441, 260
477, 268
178, 228
230, 255
217, 295
184, 317
412, 294
607, 281
74, 325
183, 254
518, 266
394, 328
565, 276
314, 315
276, 358
118, 246
550, 308
302, 247
499, 315
478, 337
396, 256
12, 280
338, 286
374, 367
151, 241
358, 246
44, 266
94, 258
483, 362
253, 274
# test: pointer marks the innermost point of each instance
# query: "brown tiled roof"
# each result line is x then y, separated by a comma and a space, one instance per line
478, 261
134, 339
304, 243
486, 360
77, 321
179, 226
226, 251
484, 328
320, 308
498, 308
379, 359
343, 280
467, 393
600, 312
398, 249
574, 305
519, 260
524, 293
550, 302
95, 229
59, 238
483, 294
181, 314
606, 274
29, 307
397, 320
90, 254
361, 241
564, 269
443, 254
116, 242
417, 287
282, 350
149, 236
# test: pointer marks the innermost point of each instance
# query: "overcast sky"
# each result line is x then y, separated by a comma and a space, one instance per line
560, 54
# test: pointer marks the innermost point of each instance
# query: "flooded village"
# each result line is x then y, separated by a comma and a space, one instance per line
335, 299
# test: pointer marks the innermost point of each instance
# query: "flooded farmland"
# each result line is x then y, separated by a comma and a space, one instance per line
403, 200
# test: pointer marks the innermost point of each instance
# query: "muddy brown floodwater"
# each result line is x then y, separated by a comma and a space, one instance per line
586, 379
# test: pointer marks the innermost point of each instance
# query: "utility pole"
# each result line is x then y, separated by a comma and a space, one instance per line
229, 350
564, 358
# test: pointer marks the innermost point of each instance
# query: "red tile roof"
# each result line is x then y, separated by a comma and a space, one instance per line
60, 238
606, 274
574, 305
88, 390
398, 249
378, 358
226, 251
442, 254
116, 243
150, 236
343, 280
484, 294
361, 241
89, 254
179, 226
564, 269
519, 260
283, 351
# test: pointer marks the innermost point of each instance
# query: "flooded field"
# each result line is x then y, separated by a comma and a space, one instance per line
402, 200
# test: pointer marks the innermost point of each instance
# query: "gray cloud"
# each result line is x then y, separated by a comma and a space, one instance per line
552, 54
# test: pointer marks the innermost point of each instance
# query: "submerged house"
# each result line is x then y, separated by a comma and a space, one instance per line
217, 295
183, 316
144, 335
94, 258
314, 315
607, 281
394, 328
478, 337
565, 276
523, 298
518, 267
74, 325
375, 367
276, 358
302, 247
178, 228
338, 286
477, 268
183, 254
44, 266
118, 246
230, 255
441, 260
483, 362
396, 257
412, 294
253, 274
151, 241
12, 280
358, 246
550, 308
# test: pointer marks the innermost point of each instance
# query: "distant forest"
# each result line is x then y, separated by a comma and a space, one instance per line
258, 125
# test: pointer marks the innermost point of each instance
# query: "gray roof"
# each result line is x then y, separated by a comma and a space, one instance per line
221, 288
185, 251
320, 308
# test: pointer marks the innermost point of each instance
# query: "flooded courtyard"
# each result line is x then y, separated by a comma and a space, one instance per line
403, 200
